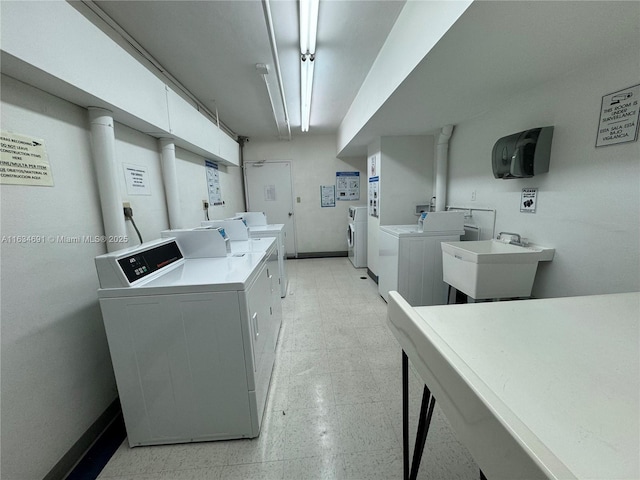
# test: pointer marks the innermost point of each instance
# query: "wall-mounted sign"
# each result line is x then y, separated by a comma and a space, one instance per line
528, 200
374, 196
23, 161
137, 179
373, 166
619, 114
213, 183
327, 195
348, 186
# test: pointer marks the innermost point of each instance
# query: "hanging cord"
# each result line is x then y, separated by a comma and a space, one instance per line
128, 215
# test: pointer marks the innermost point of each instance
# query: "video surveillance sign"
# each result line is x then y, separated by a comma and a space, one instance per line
619, 115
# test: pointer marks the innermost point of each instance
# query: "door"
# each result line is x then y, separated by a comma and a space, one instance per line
269, 189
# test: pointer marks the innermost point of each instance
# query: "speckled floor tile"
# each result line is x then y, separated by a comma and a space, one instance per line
269, 446
254, 471
340, 337
378, 465
196, 455
364, 427
311, 433
348, 360
355, 387
307, 362
138, 460
312, 468
310, 391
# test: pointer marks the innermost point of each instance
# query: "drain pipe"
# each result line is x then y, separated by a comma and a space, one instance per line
170, 179
442, 158
103, 147
242, 140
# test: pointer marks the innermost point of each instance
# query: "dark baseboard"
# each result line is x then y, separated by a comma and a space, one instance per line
322, 255
372, 275
93, 449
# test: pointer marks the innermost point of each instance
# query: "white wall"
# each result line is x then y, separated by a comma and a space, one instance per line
149, 211
405, 168
56, 370
314, 163
192, 186
418, 28
588, 203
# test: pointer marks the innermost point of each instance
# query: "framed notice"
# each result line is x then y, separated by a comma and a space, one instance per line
374, 197
348, 186
213, 183
327, 195
619, 113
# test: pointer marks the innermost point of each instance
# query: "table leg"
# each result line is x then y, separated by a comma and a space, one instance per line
405, 415
426, 412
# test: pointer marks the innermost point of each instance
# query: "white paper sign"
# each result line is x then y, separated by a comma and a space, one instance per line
23, 161
213, 183
269, 193
137, 179
327, 195
619, 115
528, 200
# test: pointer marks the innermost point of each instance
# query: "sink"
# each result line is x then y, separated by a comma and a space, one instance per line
491, 269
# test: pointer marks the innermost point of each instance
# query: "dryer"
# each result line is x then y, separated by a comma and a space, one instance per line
357, 236
192, 341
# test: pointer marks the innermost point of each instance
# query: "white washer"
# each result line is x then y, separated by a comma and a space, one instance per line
410, 261
275, 230
192, 341
357, 236
237, 230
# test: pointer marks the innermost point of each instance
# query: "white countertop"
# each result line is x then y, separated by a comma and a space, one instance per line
544, 388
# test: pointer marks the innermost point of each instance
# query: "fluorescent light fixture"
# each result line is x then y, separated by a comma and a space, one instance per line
306, 87
308, 25
308, 31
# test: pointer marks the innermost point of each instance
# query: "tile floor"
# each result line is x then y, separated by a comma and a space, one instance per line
334, 408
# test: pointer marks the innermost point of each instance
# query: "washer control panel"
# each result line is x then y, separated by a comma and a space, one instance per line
139, 265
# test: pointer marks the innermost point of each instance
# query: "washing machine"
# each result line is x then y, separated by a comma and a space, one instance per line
357, 236
192, 341
410, 260
237, 231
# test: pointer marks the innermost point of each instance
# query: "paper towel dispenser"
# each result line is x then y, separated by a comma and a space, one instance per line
522, 154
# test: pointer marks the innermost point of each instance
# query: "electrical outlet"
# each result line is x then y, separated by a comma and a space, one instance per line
126, 205
205, 204
473, 196
298, 199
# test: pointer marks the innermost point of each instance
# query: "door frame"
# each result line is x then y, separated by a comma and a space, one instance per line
250, 163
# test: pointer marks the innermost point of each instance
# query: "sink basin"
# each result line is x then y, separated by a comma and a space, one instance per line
491, 269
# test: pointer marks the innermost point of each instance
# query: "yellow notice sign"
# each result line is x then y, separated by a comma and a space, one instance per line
23, 161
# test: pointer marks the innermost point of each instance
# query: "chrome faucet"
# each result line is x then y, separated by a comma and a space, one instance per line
518, 240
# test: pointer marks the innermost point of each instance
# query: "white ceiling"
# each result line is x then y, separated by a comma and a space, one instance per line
212, 47
498, 50
495, 51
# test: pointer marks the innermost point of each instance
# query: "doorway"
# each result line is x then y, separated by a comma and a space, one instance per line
269, 189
